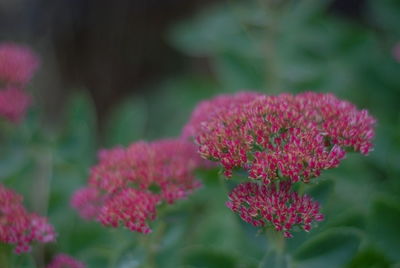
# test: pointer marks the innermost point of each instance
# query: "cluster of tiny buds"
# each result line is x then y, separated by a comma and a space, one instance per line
281, 136
65, 261
17, 65
279, 141
274, 204
18, 227
127, 184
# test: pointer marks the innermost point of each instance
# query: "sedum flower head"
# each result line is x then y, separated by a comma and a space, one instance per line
13, 103
164, 167
396, 52
274, 205
18, 227
17, 64
65, 261
284, 136
128, 183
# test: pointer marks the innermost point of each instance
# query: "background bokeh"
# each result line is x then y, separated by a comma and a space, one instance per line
117, 72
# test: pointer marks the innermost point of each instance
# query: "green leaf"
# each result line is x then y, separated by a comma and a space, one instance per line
369, 258
208, 258
386, 13
384, 226
350, 218
12, 160
321, 191
237, 72
332, 248
127, 122
213, 31
77, 144
171, 104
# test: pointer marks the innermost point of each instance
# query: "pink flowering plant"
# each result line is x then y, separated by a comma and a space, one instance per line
281, 152
278, 141
19, 227
18, 63
270, 149
65, 261
22, 233
127, 185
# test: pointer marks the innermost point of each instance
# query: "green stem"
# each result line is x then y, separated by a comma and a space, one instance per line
41, 190
279, 242
152, 244
274, 10
272, 63
275, 255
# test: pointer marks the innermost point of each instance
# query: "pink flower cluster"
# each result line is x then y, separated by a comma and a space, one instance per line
18, 227
65, 261
13, 103
282, 136
126, 185
278, 140
17, 66
274, 204
396, 52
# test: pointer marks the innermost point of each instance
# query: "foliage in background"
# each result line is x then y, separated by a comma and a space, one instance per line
291, 48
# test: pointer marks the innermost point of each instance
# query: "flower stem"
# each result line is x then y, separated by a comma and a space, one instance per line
152, 244
41, 190
271, 44
275, 255
279, 244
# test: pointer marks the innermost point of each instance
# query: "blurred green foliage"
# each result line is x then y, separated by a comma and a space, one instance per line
290, 48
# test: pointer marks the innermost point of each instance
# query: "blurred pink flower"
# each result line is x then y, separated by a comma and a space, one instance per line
164, 166
18, 63
65, 261
18, 227
127, 184
274, 205
284, 136
13, 103
396, 52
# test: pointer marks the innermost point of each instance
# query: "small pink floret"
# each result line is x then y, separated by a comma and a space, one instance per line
65, 261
